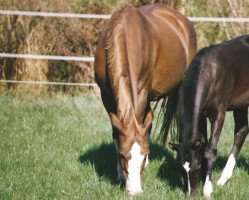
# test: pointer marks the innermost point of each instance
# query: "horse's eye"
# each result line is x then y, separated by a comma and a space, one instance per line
123, 162
121, 156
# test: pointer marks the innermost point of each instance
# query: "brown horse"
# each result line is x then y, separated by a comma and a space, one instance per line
216, 81
141, 56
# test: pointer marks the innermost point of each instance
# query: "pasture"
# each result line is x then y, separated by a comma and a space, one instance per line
60, 147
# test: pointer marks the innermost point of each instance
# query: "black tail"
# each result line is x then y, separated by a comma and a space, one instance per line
168, 110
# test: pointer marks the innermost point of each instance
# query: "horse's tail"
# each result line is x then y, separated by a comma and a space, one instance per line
169, 121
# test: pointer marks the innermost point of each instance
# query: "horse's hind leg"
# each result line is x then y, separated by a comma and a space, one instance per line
240, 133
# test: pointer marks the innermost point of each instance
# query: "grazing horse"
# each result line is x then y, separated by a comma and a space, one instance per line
216, 81
141, 56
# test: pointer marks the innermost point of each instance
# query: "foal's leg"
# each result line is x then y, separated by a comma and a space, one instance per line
240, 133
203, 133
211, 151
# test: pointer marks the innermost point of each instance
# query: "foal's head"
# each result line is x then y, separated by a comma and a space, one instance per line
189, 160
132, 143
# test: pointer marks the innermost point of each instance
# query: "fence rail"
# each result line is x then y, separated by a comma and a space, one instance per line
53, 14
84, 59
49, 83
104, 16
47, 57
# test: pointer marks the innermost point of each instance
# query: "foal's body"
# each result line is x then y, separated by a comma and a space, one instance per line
141, 56
217, 81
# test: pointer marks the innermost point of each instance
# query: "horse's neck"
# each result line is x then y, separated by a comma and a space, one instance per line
188, 113
125, 62
126, 107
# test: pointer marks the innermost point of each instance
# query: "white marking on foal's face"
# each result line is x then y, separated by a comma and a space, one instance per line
133, 182
187, 168
227, 171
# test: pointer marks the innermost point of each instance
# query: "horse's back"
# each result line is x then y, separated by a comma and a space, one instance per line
224, 67
165, 19
231, 55
177, 44
240, 70
159, 41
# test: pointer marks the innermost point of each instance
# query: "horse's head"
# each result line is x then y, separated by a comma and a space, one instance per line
132, 143
189, 160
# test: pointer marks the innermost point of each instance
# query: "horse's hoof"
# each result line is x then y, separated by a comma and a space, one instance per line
208, 188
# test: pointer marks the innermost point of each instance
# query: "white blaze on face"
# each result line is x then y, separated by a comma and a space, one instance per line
227, 171
187, 168
133, 182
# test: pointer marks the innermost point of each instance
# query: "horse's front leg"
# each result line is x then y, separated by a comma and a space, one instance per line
204, 140
109, 105
211, 151
240, 132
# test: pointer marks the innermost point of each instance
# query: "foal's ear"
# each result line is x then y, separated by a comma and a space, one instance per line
173, 146
198, 145
116, 122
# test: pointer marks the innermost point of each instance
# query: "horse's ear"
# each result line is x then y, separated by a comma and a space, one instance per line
148, 120
116, 122
173, 146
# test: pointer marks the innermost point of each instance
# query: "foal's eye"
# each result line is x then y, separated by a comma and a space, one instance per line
185, 158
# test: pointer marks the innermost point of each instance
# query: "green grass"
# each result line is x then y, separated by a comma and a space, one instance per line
61, 147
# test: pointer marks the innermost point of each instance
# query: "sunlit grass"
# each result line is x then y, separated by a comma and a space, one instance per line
61, 147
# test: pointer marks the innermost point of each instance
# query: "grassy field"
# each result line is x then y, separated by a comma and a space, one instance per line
61, 147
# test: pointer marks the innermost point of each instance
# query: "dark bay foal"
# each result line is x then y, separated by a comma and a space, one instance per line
217, 81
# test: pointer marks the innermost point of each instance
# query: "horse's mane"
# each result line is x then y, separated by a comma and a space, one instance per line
118, 66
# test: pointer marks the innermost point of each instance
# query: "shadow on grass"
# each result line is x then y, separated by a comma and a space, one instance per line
169, 172
103, 158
